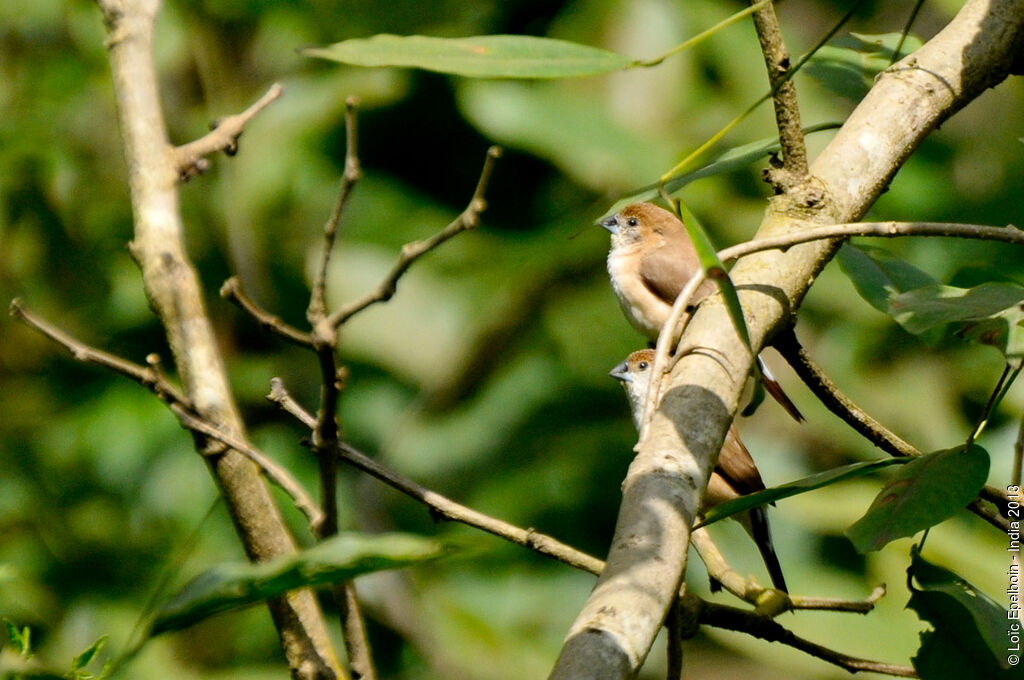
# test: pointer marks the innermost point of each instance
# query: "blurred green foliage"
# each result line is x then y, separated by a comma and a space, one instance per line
485, 378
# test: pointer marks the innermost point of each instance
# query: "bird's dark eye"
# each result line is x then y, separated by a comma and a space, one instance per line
632, 221
643, 365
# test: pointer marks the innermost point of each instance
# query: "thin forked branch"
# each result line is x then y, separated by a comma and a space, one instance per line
352, 174
468, 219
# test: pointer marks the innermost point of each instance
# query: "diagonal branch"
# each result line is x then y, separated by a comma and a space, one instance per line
468, 219
352, 174
440, 506
190, 158
152, 379
232, 291
834, 400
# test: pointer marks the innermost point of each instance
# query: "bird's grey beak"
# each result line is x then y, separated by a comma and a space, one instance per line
621, 372
611, 224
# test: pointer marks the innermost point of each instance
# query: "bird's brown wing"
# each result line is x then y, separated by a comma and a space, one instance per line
665, 270
737, 467
663, 274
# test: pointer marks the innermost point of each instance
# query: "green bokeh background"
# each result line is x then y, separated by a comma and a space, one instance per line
486, 377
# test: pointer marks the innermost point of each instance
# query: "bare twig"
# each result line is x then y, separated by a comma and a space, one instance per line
190, 158
468, 219
740, 620
275, 473
1007, 234
830, 604
152, 379
232, 291
787, 112
352, 174
719, 569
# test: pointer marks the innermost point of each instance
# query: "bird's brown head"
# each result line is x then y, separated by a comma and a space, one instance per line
635, 375
640, 221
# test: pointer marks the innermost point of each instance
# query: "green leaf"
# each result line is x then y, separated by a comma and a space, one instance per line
488, 56
231, 586
83, 659
924, 492
816, 481
849, 66
878, 275
992, 313
970, 633
715, 270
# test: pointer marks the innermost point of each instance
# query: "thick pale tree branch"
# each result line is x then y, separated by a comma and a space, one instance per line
172, 287
617, 626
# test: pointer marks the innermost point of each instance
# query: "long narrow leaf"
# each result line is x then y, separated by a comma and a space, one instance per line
715, 270
487, 56
816, 481
727, 161
231, 586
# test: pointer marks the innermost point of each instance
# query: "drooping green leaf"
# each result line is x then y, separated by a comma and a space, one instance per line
487, 56
878, 275
924, 492
231, 586
991, 313
810, 483
715, 270
849, 66
970, 630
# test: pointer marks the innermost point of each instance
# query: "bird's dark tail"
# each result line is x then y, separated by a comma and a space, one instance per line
763, 537
772, 386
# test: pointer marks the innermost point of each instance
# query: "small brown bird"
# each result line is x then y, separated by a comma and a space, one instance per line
650, 262
735, 474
